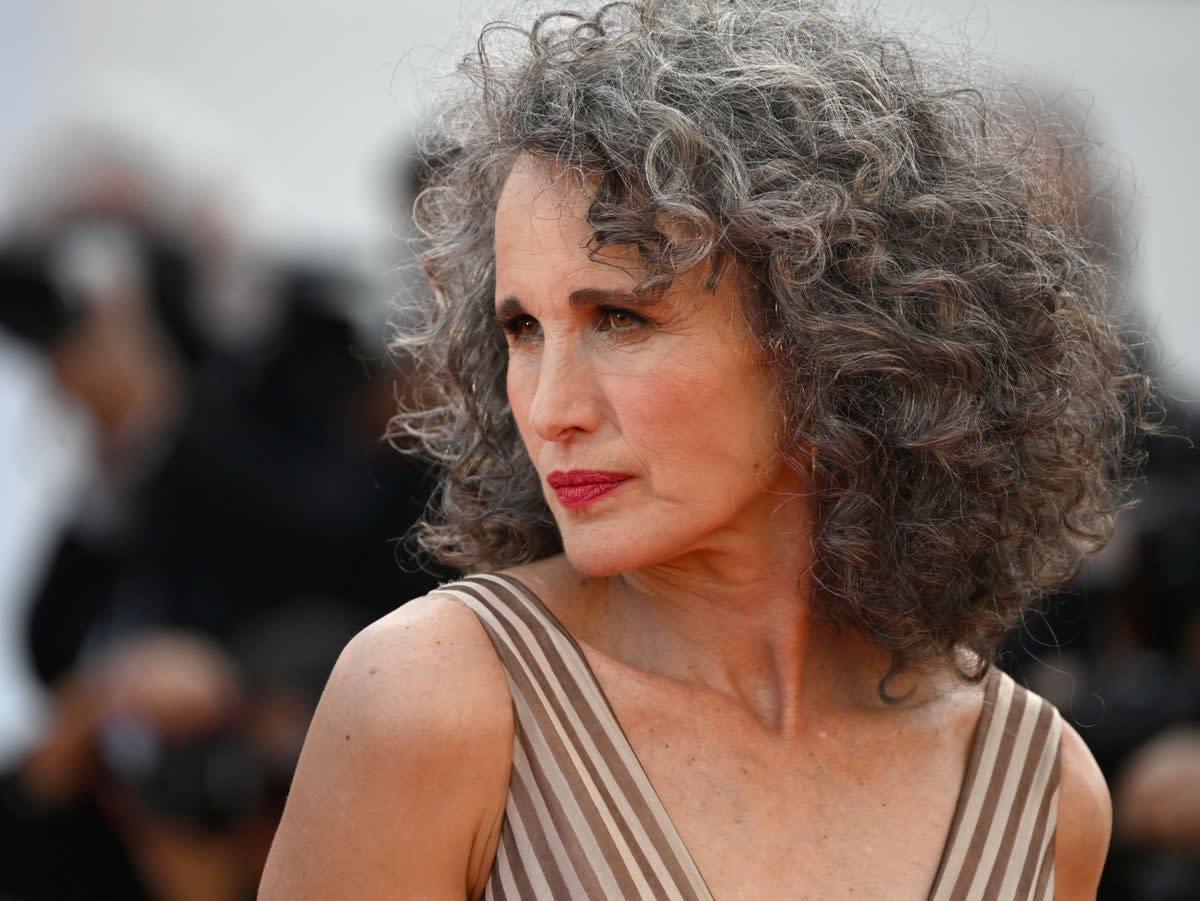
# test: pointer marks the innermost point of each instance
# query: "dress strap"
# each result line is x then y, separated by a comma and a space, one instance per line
582, 819
1001, 842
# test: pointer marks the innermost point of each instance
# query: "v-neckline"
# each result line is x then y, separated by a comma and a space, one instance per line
664, 815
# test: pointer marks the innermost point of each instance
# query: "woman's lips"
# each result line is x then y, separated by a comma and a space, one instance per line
576, 488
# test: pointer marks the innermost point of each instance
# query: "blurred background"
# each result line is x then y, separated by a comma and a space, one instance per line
202, 219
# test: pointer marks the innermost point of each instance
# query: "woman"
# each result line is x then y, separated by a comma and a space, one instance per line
768, 382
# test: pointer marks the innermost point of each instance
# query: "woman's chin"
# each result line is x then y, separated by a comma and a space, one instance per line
601, 561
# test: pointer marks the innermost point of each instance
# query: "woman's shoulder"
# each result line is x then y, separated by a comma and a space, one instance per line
405, 769
1084, 820
431, 659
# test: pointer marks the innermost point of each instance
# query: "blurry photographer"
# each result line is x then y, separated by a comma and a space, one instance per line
142, 784
75, 310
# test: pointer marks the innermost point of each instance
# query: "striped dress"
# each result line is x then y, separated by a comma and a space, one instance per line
582, 821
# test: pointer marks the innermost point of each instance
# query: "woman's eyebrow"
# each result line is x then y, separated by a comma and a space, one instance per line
508, 308
600, 297
585, 297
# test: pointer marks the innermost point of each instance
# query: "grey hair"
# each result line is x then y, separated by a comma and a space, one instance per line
965, 407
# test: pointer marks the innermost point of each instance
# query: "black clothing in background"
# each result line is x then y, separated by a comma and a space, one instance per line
68, 854
274, 490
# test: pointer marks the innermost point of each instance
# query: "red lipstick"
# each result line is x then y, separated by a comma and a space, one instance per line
576, 488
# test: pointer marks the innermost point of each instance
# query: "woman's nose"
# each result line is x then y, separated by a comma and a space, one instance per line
566, 397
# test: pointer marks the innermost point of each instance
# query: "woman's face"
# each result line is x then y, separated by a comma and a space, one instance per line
651, 421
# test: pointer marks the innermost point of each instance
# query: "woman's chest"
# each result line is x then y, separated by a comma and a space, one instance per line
861, 809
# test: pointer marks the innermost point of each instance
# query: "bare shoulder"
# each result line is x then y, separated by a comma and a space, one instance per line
1084, 821
404, 772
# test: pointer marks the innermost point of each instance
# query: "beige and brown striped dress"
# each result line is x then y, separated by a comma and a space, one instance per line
582, 821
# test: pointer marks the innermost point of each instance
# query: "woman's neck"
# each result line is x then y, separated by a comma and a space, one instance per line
741, 625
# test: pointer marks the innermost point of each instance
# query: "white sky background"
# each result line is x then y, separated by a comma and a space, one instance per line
298, 108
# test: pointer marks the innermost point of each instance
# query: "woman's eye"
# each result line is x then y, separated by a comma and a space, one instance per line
521, 328
621, 320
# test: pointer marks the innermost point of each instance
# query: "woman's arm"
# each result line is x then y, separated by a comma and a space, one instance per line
1084, 822
400, 789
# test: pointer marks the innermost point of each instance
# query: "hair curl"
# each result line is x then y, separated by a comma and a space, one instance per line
952, 379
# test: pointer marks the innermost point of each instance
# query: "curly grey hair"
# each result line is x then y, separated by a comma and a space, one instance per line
952, 381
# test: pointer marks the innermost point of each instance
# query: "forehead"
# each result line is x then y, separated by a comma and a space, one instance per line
543, 243
545, 189
541, 220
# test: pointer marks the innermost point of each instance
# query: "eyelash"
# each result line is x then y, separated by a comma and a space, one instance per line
514, 325
636, 320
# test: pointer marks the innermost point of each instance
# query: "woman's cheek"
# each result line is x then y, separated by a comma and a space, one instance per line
519, 390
